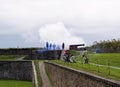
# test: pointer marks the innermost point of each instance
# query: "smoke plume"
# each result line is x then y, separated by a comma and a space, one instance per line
58, 34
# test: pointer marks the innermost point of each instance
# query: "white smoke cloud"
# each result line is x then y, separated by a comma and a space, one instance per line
57, 34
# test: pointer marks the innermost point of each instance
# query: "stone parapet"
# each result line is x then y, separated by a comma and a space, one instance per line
67, 77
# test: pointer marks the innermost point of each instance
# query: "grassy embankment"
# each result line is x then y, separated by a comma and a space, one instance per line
95, 61
10, 57
112, 58
39, 79
15, 83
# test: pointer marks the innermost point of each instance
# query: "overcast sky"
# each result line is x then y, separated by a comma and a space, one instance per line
32, 23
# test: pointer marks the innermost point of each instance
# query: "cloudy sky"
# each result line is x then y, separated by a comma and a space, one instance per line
32, 23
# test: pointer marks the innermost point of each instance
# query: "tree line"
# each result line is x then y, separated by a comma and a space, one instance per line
106, 46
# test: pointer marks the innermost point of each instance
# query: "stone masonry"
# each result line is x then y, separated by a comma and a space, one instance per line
17, 70
66, 77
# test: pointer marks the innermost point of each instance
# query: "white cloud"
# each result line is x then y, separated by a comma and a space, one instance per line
58, 33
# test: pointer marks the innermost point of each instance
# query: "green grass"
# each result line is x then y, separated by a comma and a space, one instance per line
49, 76
15, 83
106, 59
10, 57
113, 59
36, 62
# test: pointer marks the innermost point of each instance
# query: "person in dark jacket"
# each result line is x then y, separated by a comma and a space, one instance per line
67, 55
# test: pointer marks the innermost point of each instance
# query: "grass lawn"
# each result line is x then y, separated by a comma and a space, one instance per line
113, 59
106, 59
14, 83
10, 57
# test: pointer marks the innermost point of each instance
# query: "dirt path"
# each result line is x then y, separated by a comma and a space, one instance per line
45, 79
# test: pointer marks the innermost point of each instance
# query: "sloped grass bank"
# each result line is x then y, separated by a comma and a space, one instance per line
10, 57
106, 59
49, 76
113, 59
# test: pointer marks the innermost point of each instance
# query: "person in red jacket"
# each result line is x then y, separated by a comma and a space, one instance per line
67, 55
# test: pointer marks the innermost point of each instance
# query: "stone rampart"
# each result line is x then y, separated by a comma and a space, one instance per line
19, 51
66, 77
17, 70
46, 55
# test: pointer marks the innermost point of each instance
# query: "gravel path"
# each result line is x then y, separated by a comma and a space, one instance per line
45, 79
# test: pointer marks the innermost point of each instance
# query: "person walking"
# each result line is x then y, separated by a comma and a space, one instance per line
67, 55
85, 55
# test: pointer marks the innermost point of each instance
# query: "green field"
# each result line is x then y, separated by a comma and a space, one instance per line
10, 57
112, 58
14, 83
99, 64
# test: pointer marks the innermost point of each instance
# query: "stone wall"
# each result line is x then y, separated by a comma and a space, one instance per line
17, 51
66, 77
46, 55
32, 53
17, 70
